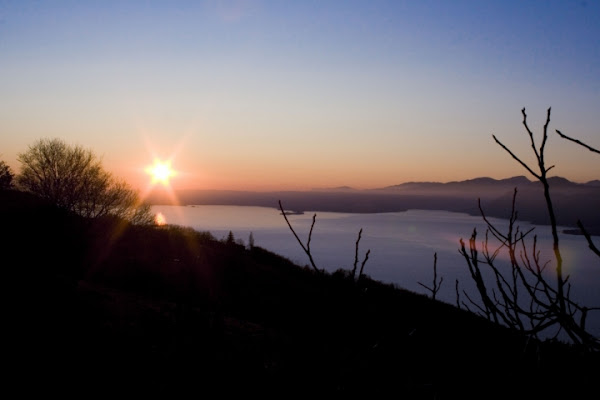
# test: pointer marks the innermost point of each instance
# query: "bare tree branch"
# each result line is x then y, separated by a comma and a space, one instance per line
590, 148
356, 254
457, 295
307, 248
362, 266
522, 297
436, 285
588, 237
516, 158
531, 138
543, 145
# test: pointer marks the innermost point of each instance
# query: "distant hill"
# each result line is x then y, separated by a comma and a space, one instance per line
335, 189
485, 184
572, 201
595, 182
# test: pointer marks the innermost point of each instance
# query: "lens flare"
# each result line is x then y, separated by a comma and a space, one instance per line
161, 172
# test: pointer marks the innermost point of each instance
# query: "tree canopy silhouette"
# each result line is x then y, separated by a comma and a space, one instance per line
73, 178
6, 176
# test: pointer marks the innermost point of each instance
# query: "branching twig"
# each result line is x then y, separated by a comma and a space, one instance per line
550, 208
362, 266
544, 304
436, 285
307, 247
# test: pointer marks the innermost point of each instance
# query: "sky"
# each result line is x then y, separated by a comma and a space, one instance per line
294, 95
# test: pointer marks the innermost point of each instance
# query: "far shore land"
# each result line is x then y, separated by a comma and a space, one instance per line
572, 202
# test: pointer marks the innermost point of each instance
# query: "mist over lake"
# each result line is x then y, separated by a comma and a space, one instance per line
402, 244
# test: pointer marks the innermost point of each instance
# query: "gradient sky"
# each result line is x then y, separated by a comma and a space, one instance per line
264, 95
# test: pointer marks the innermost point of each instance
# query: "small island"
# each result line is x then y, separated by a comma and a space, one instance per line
292, 213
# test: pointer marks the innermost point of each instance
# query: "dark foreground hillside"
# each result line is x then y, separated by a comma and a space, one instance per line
100, 307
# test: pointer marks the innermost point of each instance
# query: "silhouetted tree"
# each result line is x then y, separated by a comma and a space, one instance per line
251, 241
230, 238
526, 296
73, 178
6, 176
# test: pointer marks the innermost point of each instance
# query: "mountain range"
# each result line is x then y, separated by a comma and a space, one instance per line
490, 183
572, 201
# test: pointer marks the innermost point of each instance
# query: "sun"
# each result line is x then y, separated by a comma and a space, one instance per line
161, 172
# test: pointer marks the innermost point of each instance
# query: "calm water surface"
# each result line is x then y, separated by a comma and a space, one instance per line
402, 244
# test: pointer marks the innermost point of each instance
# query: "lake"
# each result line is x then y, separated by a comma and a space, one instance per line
402, 244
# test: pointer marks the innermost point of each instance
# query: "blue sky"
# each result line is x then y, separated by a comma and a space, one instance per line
279, 94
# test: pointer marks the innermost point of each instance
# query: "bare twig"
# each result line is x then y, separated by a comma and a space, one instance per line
588, 237
579, 224
590, 148
457, 295
362, 266
307, 247
516, 158
436, 285
356, 254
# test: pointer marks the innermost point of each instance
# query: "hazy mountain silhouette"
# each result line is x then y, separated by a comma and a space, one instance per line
485, 184
572, 201
595, 182
335, 189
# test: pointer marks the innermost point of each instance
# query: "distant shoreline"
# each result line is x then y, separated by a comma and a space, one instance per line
571, 201
591, 232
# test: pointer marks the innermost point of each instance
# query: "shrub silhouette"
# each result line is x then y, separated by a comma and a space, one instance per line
6, 176
72, 178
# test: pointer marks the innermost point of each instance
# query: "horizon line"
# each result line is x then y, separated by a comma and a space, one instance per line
348, 187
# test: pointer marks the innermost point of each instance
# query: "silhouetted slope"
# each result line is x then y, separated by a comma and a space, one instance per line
102, 307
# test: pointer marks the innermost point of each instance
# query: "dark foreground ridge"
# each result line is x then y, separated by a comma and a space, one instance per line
102, 307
